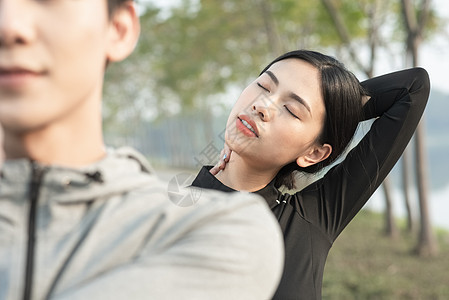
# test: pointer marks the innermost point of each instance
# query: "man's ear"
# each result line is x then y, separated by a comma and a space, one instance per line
123, 32
316, 154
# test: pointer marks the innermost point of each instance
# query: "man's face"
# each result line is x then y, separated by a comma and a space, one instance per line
52, 60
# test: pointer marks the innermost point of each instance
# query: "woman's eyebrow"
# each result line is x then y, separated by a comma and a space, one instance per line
273, 77
301, 100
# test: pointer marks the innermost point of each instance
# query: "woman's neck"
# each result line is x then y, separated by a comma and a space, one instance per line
241, 176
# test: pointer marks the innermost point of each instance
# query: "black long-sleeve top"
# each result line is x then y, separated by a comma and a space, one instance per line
312, 218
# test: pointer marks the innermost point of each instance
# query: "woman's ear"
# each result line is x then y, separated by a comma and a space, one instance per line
124, 30
317, 154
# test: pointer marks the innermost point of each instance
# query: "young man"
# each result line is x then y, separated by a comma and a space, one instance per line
80, 222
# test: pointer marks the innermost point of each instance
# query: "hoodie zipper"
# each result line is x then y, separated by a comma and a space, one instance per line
36, 180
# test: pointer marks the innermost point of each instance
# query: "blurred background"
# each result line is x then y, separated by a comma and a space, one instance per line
171, 99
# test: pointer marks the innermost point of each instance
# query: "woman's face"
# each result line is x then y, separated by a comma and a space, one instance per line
278, 118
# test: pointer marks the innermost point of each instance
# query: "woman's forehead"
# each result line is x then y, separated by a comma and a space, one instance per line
294, 64
298, 75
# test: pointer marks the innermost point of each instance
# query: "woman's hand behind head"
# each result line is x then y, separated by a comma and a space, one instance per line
365, 99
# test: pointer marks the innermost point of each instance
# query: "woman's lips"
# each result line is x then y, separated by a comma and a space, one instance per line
247, 126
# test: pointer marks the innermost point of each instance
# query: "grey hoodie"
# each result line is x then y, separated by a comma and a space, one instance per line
109, 231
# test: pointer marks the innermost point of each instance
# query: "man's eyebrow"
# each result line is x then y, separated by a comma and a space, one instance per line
301, 100
273, 77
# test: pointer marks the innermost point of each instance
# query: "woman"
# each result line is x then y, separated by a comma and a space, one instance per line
299, 115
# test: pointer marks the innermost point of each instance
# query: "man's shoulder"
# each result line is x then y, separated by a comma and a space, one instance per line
177, 197
180, 234
176, 191
223, 237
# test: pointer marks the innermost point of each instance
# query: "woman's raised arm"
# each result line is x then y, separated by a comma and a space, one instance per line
397, 101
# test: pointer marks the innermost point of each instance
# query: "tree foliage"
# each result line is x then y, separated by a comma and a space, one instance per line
201, 48
193, 53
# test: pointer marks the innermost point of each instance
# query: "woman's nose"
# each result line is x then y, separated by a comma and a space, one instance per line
262, 110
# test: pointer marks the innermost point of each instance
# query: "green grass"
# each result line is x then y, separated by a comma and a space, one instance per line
366, 264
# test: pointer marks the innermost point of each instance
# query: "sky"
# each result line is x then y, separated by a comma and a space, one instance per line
434, 58
434, 55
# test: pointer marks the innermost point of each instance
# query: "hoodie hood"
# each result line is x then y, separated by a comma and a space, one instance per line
120, 170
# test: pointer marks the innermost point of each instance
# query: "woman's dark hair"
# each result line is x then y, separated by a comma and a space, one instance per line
342, 94
114, 4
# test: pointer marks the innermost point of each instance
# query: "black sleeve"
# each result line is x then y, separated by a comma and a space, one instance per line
397, 101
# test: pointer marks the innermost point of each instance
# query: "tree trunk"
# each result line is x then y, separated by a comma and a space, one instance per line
410, 226
343, 33
391, 228
427, 245
273, 40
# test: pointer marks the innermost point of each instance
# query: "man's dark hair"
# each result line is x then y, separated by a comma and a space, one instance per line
114, 4
342, 94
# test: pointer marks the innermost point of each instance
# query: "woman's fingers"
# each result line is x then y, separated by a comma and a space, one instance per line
225, 155
215, 169
220, 165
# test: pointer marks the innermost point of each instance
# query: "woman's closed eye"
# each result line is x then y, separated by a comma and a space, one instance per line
263, 87
291, 112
